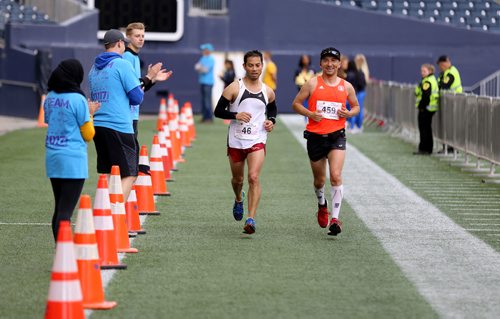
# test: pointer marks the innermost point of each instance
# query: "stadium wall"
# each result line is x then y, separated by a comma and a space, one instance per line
395, 46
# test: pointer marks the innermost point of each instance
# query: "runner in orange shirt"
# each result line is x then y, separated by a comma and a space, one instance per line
325, 132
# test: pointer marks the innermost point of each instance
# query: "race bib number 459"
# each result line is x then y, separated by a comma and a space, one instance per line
246, 131
329, 109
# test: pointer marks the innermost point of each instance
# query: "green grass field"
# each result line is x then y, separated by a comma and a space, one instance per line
194, 261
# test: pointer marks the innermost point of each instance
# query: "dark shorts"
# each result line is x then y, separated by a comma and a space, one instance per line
115, 148
319, 145
239, 155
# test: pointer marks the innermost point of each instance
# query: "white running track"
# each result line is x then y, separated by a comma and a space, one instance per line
457, 273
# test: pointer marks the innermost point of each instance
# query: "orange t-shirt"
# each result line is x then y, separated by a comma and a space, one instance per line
329, 99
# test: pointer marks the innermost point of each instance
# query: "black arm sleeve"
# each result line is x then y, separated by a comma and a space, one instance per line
272, 111
426, 97
146, 83
221, 110
447, 86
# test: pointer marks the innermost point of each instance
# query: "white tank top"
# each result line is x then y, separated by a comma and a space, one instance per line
243, 135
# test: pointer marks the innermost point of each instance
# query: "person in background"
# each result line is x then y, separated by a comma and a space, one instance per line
304, 72
205, 69
357, 78
449, 79
270, 77
362, 66
69, 116
427, 99
251, 106
344, 61
325, 133
229, 75
135, 35
113, 82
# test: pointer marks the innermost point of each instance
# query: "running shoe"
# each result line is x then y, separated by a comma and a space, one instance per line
335, 227
249, 226
323, 215
238, 209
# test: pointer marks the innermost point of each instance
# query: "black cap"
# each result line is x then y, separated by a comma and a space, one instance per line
442, 58
113, 36
330, 52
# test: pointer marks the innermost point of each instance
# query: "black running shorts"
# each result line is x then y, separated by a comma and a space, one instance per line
319, 145
115, 148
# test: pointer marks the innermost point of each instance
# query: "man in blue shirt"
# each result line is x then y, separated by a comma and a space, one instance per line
113, 83
135, 35
205, 69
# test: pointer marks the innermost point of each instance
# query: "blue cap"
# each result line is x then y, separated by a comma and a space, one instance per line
207, 46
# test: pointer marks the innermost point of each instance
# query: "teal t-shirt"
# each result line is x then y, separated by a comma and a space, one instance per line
208, 62
136, 65
65, 149
109, 83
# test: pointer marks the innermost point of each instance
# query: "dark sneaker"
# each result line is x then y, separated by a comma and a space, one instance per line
335, 227
323, 215
238, 209
249, 226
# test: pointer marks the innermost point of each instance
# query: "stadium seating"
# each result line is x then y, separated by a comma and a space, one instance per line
483, 15
12, 11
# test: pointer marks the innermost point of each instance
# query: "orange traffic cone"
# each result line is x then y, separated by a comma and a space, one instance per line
170, 151
133, 220
87, 258
118, 212
156, 169
170, 105
65, 292
164, 156
41, 113
190, 117
175, 135
162, 114
184, 130
144, 188
104, 229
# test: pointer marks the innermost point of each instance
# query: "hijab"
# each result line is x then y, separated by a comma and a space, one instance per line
67, 77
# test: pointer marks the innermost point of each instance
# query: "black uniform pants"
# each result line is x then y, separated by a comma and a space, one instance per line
66, 194
425, 128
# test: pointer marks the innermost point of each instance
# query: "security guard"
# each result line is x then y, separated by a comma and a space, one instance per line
449, 78
427, 98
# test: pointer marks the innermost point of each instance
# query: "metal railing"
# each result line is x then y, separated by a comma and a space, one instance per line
207, 7
467, 122
489, 86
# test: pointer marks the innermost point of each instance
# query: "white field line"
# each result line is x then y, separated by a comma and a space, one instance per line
456, 272
474, 196
474, 224
462, 207
478, 209
480, 214
25, 224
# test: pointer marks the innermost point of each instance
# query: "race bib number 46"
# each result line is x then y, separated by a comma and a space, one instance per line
329, 109
246, 131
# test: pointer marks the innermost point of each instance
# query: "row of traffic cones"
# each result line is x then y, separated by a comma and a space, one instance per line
101, 233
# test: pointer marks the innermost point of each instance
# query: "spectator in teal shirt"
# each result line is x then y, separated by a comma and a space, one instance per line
205, 69
69, 117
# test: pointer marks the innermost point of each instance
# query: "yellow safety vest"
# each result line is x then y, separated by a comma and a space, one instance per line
434, 98
457, 82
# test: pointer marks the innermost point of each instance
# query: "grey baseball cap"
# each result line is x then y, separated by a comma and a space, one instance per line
113, 36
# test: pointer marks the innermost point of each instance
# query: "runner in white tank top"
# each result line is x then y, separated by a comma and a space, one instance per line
243, 135
251, 107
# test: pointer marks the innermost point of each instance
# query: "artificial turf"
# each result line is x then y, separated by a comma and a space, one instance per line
194, 260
